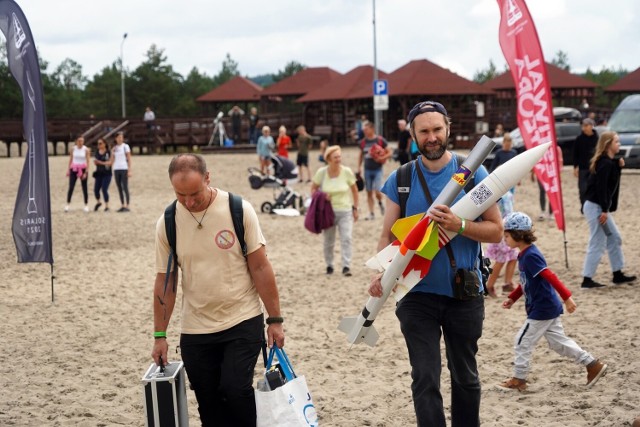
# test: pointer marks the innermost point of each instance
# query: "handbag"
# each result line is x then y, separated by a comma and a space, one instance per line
283, 398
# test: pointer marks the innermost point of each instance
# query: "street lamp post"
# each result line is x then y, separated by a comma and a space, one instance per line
377, 114
124, 109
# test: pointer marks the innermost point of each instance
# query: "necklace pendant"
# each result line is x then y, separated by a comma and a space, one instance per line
199, 226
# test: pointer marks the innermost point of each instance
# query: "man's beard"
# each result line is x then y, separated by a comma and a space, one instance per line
434, 154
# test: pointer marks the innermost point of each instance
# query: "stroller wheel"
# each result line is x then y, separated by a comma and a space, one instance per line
266, 207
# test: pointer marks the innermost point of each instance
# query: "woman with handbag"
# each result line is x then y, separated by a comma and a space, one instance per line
339, 184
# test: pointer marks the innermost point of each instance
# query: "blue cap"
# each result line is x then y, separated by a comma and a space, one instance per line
517, 221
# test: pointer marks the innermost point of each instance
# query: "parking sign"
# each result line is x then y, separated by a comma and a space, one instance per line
380, 87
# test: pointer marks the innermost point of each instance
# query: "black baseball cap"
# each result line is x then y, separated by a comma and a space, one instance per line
426, 107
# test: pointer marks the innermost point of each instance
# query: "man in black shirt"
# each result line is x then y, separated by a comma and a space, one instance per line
583, 150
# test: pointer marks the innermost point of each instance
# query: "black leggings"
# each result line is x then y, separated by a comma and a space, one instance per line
122, 181
73, 177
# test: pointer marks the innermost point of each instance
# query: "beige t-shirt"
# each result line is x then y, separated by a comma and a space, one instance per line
218, 292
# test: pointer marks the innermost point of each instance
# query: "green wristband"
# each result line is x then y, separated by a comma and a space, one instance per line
463, 224
161, 334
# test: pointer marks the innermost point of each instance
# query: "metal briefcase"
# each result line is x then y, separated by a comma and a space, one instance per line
165, 396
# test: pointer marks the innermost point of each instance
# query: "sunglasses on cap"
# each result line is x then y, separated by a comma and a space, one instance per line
426, 107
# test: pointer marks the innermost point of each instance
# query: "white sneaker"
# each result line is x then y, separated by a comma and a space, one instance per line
66, 208
86, 209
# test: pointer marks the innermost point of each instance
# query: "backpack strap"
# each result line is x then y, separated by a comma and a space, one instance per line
237, 215
403, 182
170, 230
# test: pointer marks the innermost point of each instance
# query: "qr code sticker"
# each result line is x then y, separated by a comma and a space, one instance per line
480, 194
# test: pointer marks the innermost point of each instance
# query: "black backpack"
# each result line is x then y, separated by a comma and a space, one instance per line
237, 215
403, 182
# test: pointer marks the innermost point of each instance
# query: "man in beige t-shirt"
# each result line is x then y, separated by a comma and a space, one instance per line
222, 321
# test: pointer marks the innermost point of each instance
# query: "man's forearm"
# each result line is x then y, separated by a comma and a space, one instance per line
163, 302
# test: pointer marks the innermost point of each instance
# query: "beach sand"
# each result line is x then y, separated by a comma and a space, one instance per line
79, 361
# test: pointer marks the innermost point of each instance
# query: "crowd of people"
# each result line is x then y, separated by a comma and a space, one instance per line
109, 162
233, 322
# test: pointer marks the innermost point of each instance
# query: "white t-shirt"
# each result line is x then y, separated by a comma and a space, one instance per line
120, 157
218, 291
79, 155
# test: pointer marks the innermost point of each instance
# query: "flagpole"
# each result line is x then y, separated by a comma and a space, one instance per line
52, 277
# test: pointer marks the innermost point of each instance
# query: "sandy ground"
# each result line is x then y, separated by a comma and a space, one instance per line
79, 361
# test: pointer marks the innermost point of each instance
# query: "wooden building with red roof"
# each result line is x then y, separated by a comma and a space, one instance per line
281, 96
339, 102
627, 85
421, 80
237, 91
567, 90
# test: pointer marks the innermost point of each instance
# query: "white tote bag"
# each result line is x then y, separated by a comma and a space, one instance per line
287, 406
287, 402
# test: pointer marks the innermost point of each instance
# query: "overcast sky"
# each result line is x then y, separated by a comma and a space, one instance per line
264, 35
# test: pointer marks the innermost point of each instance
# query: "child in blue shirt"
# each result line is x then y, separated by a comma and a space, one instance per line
539, 286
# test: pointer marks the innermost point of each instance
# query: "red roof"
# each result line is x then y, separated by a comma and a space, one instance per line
302, 82
558, 79
422, 77
356, 84
629, 83
236, 89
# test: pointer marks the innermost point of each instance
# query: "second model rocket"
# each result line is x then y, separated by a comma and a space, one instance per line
408, 259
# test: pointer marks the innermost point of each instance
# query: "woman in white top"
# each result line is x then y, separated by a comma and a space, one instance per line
79, 159
121, 154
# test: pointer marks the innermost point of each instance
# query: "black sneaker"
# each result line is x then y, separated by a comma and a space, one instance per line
97, 206
329, 270
588, 283
619, 277
346, 272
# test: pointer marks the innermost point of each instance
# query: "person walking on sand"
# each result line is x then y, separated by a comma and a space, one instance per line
264, 148
224, 296
79, 159
284, 142
432, 310
102, 175
339, 184
601, 199
374, 152
303, 143
121, 154
539, 286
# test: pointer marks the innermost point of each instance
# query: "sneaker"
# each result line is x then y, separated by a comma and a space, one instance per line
507, 288
619, 277
381, 205
513, 384
97, 206
329, 270
541, 217
370, 217
106, 209
595, 370
66, 208
346, 272
86, 209
589, 283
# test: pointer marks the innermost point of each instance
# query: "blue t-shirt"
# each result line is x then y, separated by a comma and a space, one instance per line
541, 300
465, 251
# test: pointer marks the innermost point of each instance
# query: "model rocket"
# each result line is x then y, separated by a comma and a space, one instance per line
408, 259
401, 253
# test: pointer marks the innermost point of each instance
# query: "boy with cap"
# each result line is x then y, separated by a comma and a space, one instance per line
583, 149
539, 286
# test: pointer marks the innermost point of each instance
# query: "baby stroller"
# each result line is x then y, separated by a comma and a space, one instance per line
281, 173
